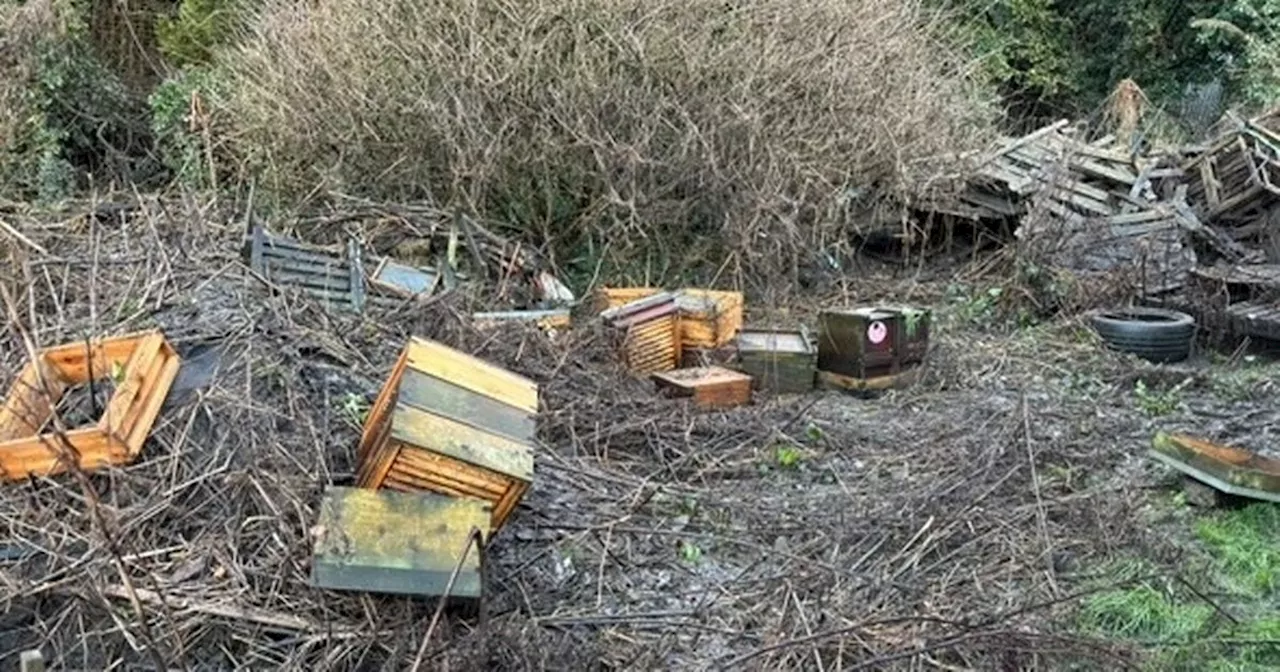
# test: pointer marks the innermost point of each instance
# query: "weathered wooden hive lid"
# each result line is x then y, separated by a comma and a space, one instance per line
385, 541
475, 374
758, 340
641, 310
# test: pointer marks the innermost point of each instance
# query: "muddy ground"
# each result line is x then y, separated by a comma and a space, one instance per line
950, 525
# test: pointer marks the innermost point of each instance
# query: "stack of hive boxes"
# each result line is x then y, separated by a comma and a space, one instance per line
447, 446
663, 329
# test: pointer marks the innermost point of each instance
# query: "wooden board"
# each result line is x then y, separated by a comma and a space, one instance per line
832, 381
472, 373
384, 541
547, 319
1232, 470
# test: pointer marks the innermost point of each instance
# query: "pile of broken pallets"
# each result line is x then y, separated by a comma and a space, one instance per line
1199, 219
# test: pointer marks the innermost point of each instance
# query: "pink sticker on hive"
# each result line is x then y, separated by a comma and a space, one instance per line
877, 332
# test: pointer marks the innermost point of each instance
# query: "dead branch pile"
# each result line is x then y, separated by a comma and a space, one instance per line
654, 537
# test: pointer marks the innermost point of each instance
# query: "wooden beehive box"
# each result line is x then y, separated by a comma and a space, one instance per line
409, 543
782, 361
649, 333
710, 387
451, 423
859, 342
139, 369
709, 319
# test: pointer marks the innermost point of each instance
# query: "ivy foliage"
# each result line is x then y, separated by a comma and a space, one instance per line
1053, 58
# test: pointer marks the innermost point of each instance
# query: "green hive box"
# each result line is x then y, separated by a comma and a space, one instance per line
780, 361
407, 543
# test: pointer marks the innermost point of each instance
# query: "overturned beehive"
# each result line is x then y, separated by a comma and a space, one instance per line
138, 369
450, 423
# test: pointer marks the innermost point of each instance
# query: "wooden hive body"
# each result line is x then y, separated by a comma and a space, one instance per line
385, 541
858, 343
140, 366
649, 331
453, 424
782, 361
709, 319
710, 387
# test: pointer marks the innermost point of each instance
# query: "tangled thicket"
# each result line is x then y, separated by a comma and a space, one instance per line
686, 128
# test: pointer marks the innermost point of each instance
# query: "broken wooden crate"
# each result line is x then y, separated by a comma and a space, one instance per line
780, 361
408, 543
708, 319
1231, 470
648, 331
454, 424
139, 369
710, 387
334, 278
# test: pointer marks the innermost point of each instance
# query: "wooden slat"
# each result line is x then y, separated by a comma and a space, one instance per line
152, 401
473, 374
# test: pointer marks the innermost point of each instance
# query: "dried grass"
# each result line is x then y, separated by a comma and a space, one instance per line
674, 130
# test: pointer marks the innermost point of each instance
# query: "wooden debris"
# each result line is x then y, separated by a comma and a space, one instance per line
453, 424
336, 278
1231, 470
139, 369
710, 387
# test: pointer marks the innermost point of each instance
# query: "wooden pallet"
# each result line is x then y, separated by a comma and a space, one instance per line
140, 367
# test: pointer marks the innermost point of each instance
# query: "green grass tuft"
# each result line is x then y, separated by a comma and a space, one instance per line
1144, 613
1246, 545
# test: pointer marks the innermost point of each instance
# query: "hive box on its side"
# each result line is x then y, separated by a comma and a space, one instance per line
450, 423
383, 541
650, 333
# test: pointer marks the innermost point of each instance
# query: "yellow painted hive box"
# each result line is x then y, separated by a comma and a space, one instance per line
450, 423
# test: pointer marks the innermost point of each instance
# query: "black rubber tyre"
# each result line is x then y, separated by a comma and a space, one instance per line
1154, 334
